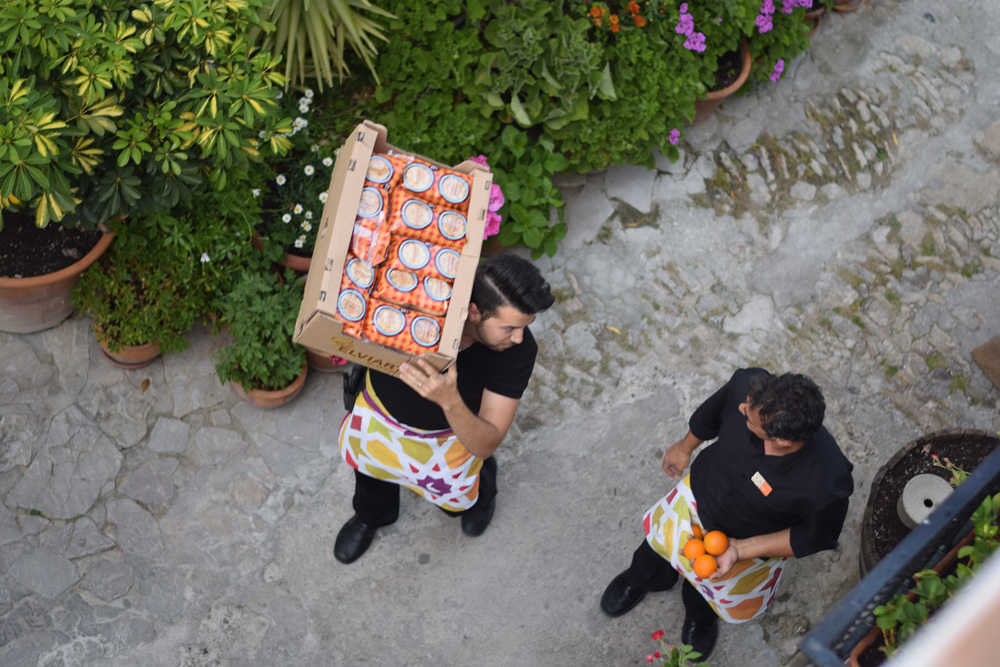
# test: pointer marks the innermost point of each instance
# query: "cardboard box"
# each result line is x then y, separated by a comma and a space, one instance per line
316, 327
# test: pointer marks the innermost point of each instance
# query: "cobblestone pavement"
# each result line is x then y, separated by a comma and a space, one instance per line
844, 223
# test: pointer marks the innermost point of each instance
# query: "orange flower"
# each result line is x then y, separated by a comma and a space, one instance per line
613, 19
639, 21
597, 12
615, 27
633, 7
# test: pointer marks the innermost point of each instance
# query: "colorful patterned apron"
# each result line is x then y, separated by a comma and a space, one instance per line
433, 464
745, 591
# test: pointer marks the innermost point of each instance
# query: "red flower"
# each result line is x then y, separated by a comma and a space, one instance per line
633, 7
639, 21
656, 635
656, 654
650, 658
615, 27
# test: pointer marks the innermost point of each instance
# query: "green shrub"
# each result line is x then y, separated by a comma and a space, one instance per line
113, 108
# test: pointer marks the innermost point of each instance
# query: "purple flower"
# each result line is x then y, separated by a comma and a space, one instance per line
684, 8
767, 7
779, 67
763, 22
675, 136
686, 25
695, 42
788, 6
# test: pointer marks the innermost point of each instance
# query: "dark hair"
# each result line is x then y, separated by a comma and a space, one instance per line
791, 406
508, 280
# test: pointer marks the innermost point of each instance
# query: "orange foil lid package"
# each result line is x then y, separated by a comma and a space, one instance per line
370, 240
358, 274
401, 329
416, 219
427, 294
424, 259
385, 170
351, 309
437, 185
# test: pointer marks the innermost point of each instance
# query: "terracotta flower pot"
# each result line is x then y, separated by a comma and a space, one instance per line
849, 6
322, 363
33, 304
813, 18
706, 107
296, 263
131, 357
263, 398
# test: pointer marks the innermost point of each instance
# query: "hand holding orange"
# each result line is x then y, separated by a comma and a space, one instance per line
705, 565
716, 542
694, 548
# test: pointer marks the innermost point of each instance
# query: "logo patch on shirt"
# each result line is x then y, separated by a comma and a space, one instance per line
761, 483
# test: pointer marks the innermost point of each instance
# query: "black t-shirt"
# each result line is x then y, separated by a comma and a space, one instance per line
479, 368
809, 488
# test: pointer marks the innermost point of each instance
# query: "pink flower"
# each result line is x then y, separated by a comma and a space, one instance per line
779, 67
337, 361
657, 635
496, 202
649, 658
675, 136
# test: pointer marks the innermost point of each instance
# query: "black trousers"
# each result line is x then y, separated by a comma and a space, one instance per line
376, 502
649, 571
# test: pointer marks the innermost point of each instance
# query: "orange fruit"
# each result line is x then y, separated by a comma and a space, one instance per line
694, 548
716, 542
705, 565
696, 530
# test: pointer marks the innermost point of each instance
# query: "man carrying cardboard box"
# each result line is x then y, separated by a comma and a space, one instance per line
435, 433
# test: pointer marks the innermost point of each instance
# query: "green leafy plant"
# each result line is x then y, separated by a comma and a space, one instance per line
293, 187
903, 615
524, 171
674, 655
112, 108
164, 271
260, 311
312, 34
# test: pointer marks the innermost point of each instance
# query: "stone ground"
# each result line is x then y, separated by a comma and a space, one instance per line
844, 223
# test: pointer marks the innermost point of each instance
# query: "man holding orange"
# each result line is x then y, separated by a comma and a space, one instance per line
774, 484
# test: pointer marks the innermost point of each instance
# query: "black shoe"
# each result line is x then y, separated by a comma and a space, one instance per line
353, 540
701, 634
620, 596
475, 520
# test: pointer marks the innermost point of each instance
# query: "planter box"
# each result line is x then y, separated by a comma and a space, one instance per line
832, 640
316, 327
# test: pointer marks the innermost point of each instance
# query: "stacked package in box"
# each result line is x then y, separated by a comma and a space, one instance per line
405, 248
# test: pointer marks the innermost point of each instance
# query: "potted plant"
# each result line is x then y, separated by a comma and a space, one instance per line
902, 616
263, 364
111, 110
293, 187
163, 273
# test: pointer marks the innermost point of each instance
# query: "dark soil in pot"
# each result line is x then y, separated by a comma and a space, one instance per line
886, 528
27, 251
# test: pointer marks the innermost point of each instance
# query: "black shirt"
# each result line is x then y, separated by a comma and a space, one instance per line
479, 368
809, 488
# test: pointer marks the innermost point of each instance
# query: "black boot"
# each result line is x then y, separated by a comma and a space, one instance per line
701, 624
620, 596
353, 540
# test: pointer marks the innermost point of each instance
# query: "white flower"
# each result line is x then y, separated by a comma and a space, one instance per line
261, 134
303, 108
310, 170
286, 217
298, 209
309, 215
280, 95
300, 123
304, 102
280, 180
314, 148
256, 192
322, 197
307, 226
308, 93
299, 242
205, 258
327, 161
